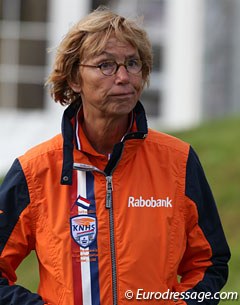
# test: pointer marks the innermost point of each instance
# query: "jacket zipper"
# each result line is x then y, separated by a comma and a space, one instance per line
112, 239
109, 206
109, 192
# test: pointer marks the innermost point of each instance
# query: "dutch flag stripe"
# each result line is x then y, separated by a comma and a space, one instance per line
83, 202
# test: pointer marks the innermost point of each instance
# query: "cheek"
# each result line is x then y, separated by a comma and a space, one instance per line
138, 83
139, 86
95, 85
95, 91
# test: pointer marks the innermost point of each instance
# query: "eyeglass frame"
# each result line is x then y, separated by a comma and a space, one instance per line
117, 66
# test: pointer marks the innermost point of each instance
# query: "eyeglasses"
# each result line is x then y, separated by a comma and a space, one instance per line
108, 68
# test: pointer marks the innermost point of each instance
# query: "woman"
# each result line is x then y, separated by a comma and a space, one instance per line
114, 210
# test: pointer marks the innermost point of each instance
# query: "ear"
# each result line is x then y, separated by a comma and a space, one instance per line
74, 81
76, 87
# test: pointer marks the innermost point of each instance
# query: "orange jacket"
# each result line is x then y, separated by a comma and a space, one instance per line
144, 220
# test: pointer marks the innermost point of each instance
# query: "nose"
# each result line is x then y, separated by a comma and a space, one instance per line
122, 74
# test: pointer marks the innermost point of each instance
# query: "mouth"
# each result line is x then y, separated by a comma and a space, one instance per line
123, 94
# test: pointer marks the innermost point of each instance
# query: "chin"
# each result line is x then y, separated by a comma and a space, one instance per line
123, 109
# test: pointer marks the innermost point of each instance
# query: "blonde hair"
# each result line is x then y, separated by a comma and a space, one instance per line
88, 38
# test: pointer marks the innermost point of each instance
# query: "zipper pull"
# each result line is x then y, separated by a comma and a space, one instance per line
109, 192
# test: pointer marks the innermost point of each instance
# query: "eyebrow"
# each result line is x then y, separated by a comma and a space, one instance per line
110, 55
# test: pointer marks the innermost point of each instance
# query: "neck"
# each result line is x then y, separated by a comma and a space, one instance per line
105, 133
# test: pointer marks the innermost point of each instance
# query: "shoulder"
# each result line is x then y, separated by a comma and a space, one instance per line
167, 142
43, 151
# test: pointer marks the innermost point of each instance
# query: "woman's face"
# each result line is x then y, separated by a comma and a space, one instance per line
110, 96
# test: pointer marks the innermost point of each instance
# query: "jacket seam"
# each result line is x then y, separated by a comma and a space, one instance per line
38, 155
182, 151
34, 192
180, 207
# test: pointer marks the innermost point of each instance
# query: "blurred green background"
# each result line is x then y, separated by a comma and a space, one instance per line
217, 144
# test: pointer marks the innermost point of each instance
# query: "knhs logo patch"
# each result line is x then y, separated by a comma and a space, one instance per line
83, 229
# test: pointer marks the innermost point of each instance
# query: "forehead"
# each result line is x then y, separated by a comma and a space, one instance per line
114, 43
114, 46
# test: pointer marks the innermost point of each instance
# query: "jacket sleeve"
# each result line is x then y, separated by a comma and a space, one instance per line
204, 266
15, 237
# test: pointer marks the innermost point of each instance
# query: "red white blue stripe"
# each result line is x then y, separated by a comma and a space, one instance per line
83, 202
88, 266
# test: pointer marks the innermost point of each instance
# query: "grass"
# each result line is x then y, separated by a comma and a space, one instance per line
217, 144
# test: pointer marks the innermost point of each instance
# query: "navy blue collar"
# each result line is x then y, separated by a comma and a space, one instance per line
69, 122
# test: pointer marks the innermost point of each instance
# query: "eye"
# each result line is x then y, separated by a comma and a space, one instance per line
107, 65
133, 63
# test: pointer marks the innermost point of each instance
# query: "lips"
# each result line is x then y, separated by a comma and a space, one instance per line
122, 94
